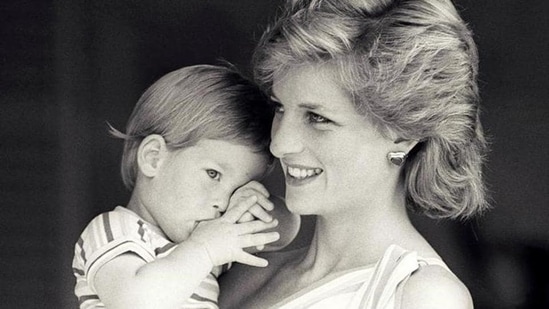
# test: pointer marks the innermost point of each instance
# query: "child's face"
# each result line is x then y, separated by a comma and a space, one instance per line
195, 184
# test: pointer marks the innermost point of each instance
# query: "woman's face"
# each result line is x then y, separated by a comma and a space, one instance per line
333, 158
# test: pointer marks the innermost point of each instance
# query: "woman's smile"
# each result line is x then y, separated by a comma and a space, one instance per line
297, 175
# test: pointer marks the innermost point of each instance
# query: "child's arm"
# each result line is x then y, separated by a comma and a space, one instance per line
288, 223
129, 282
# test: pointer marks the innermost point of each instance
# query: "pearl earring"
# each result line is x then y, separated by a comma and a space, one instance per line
397, 158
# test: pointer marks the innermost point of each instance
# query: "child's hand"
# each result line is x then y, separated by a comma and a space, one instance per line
224, 238
260, 209
257, 211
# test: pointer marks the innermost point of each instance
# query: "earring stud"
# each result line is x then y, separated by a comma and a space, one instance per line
397, 158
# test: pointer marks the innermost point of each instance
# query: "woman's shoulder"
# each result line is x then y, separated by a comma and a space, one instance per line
433, 286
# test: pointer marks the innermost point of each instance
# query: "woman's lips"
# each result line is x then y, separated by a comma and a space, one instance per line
300, 175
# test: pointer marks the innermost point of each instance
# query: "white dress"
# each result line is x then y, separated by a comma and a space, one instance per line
376, 286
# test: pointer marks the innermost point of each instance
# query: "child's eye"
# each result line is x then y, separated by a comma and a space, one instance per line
278, 108
316, 118
213, 174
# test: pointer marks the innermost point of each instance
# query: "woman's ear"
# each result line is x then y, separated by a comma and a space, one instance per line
405, 145
151, 154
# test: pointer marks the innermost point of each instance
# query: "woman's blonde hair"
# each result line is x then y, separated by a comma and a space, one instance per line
411, 67
194, 103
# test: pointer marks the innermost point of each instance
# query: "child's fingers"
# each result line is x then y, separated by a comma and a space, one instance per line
252, 260
259, 213
246, 217
255, 185
255, 226
233, 214
262, 199
259, 239
264, 202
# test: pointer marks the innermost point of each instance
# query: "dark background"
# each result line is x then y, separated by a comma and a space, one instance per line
68, 67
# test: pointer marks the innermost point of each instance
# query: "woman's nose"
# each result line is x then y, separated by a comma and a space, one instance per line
285, 137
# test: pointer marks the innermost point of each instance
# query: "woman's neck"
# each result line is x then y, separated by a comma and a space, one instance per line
351, 240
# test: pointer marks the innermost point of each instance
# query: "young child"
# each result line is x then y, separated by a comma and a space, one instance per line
195, 146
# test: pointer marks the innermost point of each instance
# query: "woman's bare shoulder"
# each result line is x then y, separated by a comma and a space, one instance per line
434, 286
242, 281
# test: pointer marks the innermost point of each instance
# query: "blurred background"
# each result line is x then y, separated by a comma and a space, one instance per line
68, 67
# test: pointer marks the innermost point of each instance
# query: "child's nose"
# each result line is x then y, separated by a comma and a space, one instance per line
221, 205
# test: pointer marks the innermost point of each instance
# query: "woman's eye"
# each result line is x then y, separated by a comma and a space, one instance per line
316, 118
213, 174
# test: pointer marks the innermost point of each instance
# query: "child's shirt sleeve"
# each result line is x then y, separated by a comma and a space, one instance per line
107, 236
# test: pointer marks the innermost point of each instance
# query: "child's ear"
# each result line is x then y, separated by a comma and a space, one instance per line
151, 154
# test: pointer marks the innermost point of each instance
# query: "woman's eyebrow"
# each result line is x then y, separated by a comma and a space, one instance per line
311, 106
305, 105
319, 107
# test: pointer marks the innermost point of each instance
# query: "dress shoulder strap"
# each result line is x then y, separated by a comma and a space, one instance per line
395, 266
433, 261
390, 275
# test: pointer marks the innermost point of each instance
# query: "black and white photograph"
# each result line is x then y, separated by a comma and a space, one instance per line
274, 154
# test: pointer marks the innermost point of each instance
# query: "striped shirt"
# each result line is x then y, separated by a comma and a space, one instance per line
121, 231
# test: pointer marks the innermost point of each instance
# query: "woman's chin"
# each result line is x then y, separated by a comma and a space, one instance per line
301, 206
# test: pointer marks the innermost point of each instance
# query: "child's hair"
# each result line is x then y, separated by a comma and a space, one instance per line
411, 67
194, 103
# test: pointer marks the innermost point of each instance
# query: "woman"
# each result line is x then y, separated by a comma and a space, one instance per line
376, 111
